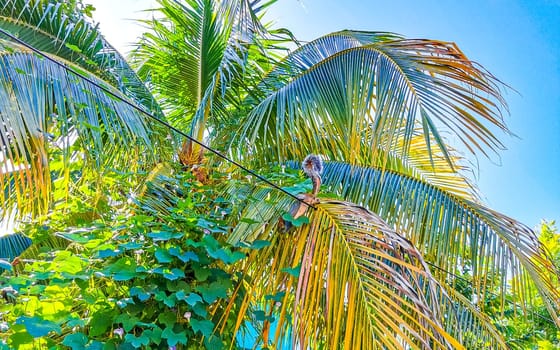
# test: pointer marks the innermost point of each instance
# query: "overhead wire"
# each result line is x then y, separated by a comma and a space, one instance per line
219, 154
153, 117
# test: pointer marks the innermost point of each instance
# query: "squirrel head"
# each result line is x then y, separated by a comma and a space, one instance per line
312, 165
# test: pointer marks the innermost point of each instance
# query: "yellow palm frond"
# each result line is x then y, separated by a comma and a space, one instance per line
346, 280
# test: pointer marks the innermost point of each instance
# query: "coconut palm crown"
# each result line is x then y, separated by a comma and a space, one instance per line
374, 264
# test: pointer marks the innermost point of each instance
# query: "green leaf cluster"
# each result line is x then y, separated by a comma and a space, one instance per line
126, 279
533, 327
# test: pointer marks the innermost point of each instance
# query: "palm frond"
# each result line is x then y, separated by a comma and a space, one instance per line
193, 52
348, 281
451, 231
345, 95
50, 27
46, 110
452, 174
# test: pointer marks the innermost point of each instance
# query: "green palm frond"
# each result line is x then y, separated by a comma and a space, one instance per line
452, 174
45, 24
347, 94
193, 52
49, 27
347, 280
451, 231
47, 111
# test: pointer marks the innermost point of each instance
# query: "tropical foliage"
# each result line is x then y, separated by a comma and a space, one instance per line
140, 239
125, 279
538, 330
48, 110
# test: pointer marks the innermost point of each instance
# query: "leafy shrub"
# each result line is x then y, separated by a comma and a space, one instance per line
125, 279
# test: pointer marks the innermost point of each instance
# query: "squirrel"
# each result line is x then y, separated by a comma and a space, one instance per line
312, 166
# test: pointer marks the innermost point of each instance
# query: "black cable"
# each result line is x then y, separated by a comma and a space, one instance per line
494, 294
166, 124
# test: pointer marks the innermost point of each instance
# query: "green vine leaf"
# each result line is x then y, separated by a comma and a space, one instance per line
140, 293
165, 235
193, 298
137, 341
259, 315
123, 269
163, 256
167, 318
75, 341
294, 271
154, 335
183, 256
226, 255
259, 244
173, 274
100, 322
296, 222
127, 321
203, 326
174, 338
213, 291
38, 327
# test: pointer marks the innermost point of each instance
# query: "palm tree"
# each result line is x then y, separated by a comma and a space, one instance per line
195, 62
375, 265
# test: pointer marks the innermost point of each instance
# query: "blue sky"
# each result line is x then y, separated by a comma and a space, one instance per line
518, 41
